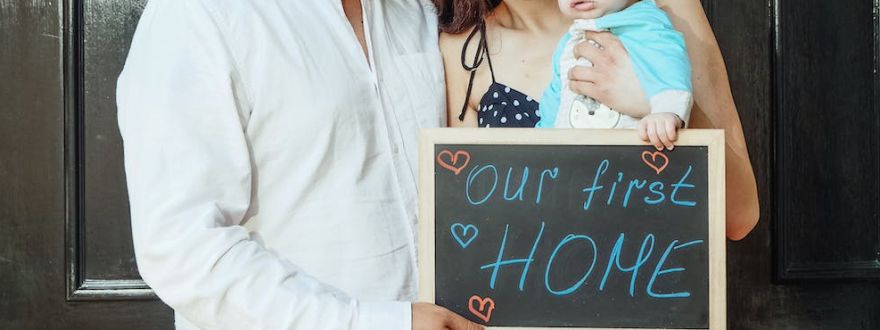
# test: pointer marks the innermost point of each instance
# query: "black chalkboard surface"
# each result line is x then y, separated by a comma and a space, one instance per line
573, 228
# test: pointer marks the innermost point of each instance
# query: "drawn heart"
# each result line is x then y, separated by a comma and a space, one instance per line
460, 234
653, 163
450, 162
486, 307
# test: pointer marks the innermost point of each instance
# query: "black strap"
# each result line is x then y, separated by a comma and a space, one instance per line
482, 48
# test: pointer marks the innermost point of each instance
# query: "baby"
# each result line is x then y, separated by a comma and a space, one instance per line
658, 55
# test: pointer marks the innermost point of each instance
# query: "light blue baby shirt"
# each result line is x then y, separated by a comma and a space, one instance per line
656, 49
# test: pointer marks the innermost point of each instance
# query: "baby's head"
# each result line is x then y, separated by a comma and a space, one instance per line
586, 9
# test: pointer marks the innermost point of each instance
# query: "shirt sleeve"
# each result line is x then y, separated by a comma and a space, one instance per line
550, 99
183, 113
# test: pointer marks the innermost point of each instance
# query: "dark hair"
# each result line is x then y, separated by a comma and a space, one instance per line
457, 16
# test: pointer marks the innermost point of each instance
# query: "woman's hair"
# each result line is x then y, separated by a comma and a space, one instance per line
457, 16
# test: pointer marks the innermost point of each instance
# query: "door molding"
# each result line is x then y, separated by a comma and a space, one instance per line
785, 238
79, 287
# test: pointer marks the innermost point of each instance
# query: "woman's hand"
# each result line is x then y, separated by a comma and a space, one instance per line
660, 129
612, 79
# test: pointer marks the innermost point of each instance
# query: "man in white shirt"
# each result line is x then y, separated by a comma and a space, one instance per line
270, 151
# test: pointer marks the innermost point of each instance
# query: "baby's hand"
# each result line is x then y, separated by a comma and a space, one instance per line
660, 129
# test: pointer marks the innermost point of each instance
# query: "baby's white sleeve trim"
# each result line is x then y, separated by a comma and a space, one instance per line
678, 102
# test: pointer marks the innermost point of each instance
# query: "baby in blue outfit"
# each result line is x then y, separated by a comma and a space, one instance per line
658, 55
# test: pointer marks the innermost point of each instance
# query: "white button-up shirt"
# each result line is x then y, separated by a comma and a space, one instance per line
271, 166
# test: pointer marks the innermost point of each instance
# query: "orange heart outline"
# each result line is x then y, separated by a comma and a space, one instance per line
653, 160
483, 306
454, 159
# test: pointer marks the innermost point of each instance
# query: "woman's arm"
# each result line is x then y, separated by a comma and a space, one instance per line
456, 81
612, 81
714, 108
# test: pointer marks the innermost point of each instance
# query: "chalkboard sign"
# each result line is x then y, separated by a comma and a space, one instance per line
529, 228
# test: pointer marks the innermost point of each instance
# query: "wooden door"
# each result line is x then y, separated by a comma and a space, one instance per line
803, 72
804, 76
66, 258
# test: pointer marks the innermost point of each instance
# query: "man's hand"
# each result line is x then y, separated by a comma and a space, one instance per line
660, 129
432, 317
612, 79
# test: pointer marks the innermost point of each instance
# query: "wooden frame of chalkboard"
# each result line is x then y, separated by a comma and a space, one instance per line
436, 144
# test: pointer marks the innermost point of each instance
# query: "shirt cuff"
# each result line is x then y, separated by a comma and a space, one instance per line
395, 315
678, 102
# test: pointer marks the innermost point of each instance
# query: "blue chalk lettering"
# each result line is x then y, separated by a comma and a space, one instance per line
472, 175
500, 262
633, 183
603, 166
614, 187
657, 189
553, 174
658, 270
583, 279
614, 260
699, 241
522, 184
681, 184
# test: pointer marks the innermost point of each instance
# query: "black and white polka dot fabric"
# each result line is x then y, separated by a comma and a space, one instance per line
503, 106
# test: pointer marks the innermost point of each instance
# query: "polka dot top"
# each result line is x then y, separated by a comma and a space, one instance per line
503, 106
500, 106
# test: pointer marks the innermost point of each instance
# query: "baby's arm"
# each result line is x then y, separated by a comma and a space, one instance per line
666, 78
669, 112
661, 63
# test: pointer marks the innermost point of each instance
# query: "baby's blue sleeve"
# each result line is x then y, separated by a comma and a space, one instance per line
658, 54
549, 105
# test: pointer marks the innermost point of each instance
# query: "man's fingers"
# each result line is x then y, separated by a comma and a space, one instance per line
456, 322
